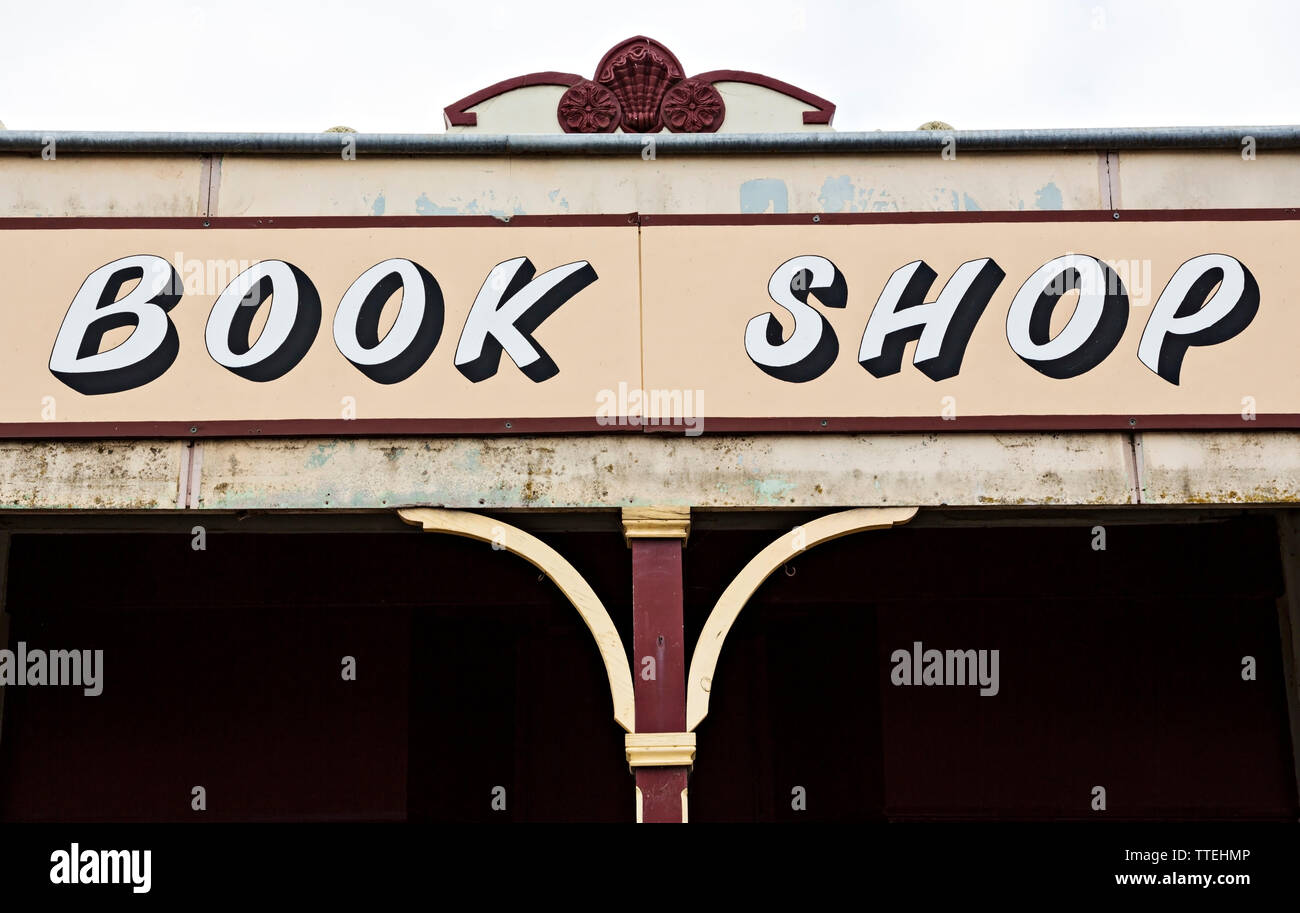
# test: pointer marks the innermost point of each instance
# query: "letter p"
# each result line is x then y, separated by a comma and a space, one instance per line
1183, 318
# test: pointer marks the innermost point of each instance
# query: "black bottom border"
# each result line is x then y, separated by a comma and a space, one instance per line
541, 862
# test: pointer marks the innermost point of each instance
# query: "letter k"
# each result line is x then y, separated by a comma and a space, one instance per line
509, 307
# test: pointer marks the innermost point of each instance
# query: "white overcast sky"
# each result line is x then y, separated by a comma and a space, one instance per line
392, 65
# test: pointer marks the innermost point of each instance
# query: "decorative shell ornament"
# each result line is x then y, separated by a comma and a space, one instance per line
640, 87
639, 72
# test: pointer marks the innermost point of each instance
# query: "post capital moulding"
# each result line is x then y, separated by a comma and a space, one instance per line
656, 523
660, 749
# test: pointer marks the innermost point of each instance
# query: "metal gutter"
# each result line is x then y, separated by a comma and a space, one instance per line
925, 142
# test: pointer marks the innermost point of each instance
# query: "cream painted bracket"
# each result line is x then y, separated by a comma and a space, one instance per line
566, 577
704, 661
668, 749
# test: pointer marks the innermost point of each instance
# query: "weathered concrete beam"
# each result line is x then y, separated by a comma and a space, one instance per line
1220, 468
743, 471
90, 475
560, 472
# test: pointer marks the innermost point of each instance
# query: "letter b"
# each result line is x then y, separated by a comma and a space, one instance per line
96, 310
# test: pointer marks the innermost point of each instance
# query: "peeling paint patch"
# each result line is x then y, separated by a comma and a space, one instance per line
504, 216
562, 202
869, 202
379, 205
952, 201
1048, 197
970, 205
764, 195
426, 207
837, 194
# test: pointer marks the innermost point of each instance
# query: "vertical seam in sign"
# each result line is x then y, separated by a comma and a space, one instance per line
1139, 467
1103, 179
1108, 179
183, 482
205, 183
1112, 179
640, 312
196, 475
1135, 474
214, 184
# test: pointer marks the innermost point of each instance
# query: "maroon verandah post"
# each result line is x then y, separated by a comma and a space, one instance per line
660, 752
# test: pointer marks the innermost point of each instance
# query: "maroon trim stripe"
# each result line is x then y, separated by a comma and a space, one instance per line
915, 218
307, 428
187, 222
632, 218
590, 425
1120, 422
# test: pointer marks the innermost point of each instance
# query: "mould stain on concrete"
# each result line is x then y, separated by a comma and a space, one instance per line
770, 491
322, 455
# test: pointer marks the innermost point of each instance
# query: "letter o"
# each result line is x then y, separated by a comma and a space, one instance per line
290, 327
414, 334
1094, 329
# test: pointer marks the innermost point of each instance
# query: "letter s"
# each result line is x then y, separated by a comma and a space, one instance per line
812, 347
